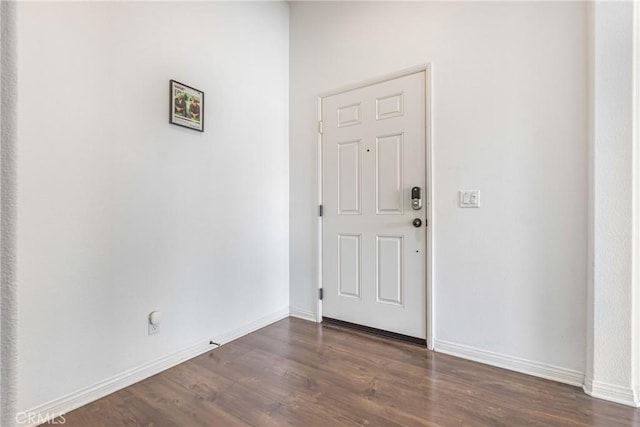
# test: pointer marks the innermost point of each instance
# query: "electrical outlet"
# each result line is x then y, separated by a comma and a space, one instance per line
154, 322
154, 329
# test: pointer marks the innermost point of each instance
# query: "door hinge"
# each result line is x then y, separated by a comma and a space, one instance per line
321, 294
320, 127
320, 210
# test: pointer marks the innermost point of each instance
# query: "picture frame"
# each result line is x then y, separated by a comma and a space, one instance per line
186, 106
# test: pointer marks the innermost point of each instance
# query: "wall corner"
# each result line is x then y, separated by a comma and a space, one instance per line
8, 286
635, 311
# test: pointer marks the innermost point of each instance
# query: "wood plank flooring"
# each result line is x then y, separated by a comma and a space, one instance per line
300, 373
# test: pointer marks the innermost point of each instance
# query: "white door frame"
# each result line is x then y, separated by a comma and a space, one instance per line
426, 68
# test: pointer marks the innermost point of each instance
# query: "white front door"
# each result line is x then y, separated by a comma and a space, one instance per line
373, 256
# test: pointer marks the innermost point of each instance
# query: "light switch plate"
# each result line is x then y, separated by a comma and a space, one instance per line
469, 199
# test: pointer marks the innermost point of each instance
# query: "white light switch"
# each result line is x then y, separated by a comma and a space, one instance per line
469, 199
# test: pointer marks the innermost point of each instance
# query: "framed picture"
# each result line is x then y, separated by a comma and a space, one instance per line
186, 106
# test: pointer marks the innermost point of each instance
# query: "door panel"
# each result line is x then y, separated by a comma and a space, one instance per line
390, 262
349, 265
389, 175
349, 177
373, 153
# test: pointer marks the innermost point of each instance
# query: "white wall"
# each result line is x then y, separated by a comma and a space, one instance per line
121, 213
612, 315
509, 119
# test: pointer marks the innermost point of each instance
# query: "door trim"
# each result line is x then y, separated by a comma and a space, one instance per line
430, 303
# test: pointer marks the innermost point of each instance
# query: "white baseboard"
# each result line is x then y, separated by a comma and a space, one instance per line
303, 314
537, 369
612, 393
252, 327
71, 401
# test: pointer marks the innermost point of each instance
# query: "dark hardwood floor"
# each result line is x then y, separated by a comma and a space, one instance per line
303, 374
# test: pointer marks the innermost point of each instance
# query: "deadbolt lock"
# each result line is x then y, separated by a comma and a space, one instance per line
416, 198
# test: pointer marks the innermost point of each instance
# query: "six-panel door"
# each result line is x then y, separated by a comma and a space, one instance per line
373, 153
